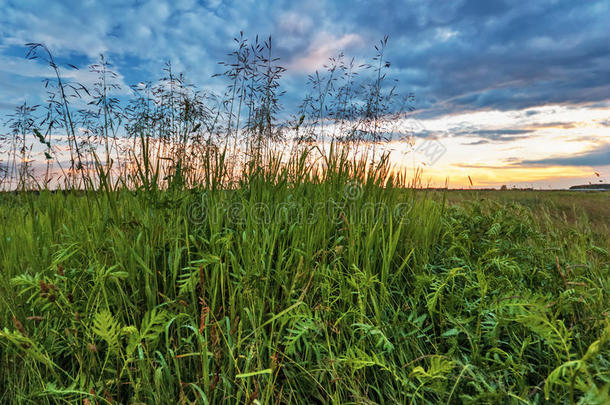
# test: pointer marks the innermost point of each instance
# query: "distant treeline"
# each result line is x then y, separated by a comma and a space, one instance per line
591, 187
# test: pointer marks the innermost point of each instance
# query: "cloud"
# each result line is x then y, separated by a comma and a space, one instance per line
6, 106
497, 135
11, 65
322, 47
562, 125
479, 142
595, 157
457, 56
504, 59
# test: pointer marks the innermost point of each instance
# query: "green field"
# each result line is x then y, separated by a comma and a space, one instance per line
259, 295
564, 208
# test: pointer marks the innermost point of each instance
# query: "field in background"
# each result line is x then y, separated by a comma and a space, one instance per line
567, 208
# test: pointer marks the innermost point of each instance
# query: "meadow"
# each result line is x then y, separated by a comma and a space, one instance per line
203, 265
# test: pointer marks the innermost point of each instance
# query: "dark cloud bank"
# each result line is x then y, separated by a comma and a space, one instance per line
456, 56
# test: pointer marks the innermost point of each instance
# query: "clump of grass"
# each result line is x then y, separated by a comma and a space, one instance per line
170, 132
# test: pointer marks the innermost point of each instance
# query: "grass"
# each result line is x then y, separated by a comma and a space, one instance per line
254, 294
565, 208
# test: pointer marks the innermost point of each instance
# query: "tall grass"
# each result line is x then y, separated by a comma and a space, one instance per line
194, 260
169, 129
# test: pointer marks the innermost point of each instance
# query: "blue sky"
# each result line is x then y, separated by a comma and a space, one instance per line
518, 92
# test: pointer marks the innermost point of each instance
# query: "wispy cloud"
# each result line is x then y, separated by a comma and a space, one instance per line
322, 47
599, 156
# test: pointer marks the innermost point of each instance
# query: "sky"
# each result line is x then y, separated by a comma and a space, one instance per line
507, 92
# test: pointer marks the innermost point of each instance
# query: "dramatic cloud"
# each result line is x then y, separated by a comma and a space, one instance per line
457, 56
